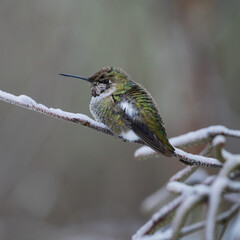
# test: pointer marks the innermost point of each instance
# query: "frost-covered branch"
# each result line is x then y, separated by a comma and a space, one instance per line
195, 189
190, 139
160, 218
204, 135
27, 102
221, 219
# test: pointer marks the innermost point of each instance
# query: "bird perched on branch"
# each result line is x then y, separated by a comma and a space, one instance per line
127, 108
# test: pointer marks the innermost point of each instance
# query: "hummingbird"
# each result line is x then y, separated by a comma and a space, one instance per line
127, 108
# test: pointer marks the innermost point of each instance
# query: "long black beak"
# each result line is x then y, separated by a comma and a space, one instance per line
75, 76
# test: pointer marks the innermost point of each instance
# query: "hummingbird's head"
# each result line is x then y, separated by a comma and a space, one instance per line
105, 80
108, 79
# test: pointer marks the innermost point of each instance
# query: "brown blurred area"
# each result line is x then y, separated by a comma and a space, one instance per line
62, 181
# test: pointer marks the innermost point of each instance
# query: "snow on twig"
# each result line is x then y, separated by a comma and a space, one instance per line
198, 160
189, 158
159, 218
183, 174
27, 102
182, 213
192, 138
217, 190
162, 196
222, 218
211, 190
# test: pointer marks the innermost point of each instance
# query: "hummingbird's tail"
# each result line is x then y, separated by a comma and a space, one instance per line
169, 150
169, 153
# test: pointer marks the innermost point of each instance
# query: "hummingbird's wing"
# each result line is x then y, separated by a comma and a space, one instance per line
140, 114
143, 131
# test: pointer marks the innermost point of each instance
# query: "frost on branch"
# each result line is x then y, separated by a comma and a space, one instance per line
194, 189
201, 136
197, 192
29, 103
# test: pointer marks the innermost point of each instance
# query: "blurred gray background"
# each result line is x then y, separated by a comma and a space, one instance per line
60, 180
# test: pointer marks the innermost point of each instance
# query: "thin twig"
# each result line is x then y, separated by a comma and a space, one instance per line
183, 174
223, 218
197, 160
217, 188
158, 219
183, 211
203, 135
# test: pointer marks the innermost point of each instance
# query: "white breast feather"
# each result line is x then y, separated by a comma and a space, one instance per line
128, 108
129, 135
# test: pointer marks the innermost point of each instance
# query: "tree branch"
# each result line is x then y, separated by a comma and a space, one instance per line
221, 219
28, 103
159, 218
208, 189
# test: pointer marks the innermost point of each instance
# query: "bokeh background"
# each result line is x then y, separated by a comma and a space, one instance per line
59, 180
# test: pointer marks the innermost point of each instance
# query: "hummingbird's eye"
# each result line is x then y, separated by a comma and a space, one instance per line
106, 81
